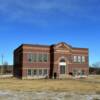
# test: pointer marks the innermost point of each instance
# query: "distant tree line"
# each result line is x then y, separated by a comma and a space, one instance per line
6, 69
95, 68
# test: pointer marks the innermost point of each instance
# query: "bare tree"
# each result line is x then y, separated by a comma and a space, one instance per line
95, 68
5, 67
1, 67
96, 65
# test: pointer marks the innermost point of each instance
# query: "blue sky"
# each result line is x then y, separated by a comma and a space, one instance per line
76, 22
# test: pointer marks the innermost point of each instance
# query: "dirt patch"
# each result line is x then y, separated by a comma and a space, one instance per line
45, 95
69, 89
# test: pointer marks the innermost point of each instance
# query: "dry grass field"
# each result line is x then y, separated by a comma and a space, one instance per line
69, 85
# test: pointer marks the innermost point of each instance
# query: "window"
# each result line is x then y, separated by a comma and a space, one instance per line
40, 57
30, 57
79, 59
34, 57
75, 58
40, 71
45, 57
29, 72
62, 60
35, 72
37, 57
83, 72
83, 59
45, 72
75, 72
62, 69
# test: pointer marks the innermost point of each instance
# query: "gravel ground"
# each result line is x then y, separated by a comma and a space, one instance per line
15, 95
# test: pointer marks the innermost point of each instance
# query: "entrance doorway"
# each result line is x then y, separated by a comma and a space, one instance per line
62, 69
62, 66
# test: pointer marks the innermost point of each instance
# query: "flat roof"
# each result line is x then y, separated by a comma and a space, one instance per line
40, 45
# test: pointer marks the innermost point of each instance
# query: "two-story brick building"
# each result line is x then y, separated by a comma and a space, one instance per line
41, 61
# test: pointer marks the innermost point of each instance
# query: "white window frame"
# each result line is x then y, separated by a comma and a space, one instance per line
30, 57
75, 58
83, 59
28, 72
45, 74
39, 72
79, 59
45, 60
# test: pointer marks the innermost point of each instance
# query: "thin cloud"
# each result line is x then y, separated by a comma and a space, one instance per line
40, 10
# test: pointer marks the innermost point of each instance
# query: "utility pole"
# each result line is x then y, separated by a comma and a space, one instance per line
2, 58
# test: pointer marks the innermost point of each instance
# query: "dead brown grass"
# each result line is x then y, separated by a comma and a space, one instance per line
50, 85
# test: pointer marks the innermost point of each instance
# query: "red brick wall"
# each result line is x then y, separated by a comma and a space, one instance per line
53, 59
29, 65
